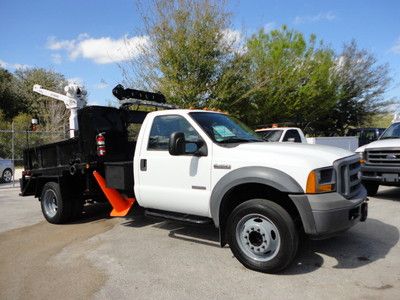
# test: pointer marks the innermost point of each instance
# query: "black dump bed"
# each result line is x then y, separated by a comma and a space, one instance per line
79, 155
115, 124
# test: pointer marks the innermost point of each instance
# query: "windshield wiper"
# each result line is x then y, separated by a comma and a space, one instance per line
239, 140
389, 137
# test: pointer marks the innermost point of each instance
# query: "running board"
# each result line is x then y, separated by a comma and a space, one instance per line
177, 216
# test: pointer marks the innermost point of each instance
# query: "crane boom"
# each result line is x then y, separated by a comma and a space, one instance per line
72, 101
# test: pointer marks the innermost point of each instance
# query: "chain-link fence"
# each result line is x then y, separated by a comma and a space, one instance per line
12, 144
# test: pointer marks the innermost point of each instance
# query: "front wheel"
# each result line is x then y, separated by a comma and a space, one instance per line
262, 236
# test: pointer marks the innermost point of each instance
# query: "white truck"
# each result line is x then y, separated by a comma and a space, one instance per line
296, 135
201, 166
381, 159
282, 134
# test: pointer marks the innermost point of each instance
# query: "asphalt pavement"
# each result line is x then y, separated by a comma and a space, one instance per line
137, 257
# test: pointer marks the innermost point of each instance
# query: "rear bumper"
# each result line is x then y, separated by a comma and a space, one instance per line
324, 215
386, 175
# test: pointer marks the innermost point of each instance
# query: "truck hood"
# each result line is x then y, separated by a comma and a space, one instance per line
294, 154
387, 143
326, 155
295, 159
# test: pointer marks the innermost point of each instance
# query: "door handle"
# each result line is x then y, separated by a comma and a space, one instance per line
143, 165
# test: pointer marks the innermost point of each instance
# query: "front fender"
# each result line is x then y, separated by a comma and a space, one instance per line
263, 175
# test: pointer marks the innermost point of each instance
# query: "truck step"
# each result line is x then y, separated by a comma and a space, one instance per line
177, 216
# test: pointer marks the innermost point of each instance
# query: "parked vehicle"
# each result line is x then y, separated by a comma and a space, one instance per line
6, 170
200, 166
282, 134
365, 135
381, 160
349, 143
296, 135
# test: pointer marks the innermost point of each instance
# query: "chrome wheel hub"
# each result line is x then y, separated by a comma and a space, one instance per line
50, 203
258, 237
7, 176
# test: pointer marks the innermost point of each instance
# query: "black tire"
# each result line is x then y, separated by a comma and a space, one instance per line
286, 232
371, 187
63, 211
5, 177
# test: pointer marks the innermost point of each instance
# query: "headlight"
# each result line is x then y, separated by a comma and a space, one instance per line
362, 157
321, 181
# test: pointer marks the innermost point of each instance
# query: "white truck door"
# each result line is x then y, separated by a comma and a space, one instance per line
173, 183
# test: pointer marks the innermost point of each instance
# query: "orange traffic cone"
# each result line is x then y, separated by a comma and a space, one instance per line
120, 204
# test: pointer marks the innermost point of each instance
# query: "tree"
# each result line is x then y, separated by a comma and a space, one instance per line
188, 48
360, 90
290, 78
51, 113
9, 102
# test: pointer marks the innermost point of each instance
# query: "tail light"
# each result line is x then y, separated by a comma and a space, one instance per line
26, 173
101, 144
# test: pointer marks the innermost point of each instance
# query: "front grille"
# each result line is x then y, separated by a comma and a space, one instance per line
348, 176
383, 157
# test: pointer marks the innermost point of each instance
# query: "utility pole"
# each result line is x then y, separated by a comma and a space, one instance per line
13, 150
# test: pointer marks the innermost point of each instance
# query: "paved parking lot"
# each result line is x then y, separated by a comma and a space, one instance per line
105, 258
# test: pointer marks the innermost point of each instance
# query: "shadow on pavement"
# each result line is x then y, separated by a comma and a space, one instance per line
93, 212
365, 243
200, 234
389, 194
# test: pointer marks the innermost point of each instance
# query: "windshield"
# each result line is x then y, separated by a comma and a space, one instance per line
224, 129
272, 135
393, 132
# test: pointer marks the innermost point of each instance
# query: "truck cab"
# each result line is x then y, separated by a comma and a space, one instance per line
381, 160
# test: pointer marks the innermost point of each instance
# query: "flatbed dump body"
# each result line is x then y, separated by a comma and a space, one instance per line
78, 156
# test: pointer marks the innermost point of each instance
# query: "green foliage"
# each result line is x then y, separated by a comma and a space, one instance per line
9, 100
380, 120
52, 114
290, 78
279, 76
19, 104
360, 89
188, 50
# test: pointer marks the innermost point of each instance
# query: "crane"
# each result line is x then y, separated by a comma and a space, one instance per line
74, 99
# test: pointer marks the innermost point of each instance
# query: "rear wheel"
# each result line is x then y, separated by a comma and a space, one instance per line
262, 236
7, 175
371, 187
55, 208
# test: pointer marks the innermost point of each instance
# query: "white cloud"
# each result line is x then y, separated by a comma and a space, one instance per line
396, 48
328, 16
7, 65
269, 26
233, 38
102, 50
56, 58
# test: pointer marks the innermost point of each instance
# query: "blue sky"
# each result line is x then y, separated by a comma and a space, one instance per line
83, 39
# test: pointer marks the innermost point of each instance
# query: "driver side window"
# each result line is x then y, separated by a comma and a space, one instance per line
164, 126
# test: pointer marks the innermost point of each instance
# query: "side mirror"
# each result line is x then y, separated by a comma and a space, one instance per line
179, 146
177, 143
291, 140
